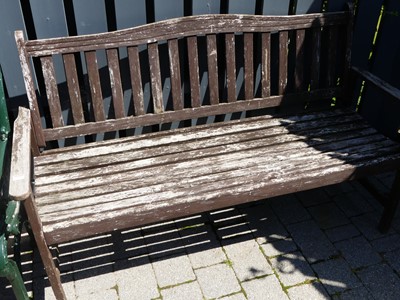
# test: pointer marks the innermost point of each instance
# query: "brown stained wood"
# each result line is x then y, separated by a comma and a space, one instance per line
283, 62
53, 97
20, 169
315, 58
332, 57
236, 191
95, 86
296, 123
230, 66
193, 58
378, 82
136, 80
116, 84
248, 66
187, 26
87, 178
73, 88
186, 114
37, 229
212, 69
205, 137
369, 155
155, 76
175, 70
30, 88
176, 190
299, 67
265, 64
127, 180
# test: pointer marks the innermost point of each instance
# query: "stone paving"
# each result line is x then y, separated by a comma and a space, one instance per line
319, 244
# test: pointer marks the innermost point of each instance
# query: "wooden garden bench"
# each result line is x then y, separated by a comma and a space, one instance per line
274, 95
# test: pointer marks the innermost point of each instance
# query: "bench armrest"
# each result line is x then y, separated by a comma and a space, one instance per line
20, 171
378, 82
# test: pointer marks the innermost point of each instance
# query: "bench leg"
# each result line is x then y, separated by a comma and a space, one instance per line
52, 272
391, 205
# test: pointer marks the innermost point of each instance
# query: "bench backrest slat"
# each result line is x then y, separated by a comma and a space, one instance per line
265, 64
248, 66
212, 62
230, 59
136, 80
116, 84
300, 52
186, 68
193, 58
71, 75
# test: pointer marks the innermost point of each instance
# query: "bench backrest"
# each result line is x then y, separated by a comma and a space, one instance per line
182, 69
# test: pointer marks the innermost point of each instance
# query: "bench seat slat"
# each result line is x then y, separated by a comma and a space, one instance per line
294, 123
288, 150
185, 185
274, 135
214, 195
243, 151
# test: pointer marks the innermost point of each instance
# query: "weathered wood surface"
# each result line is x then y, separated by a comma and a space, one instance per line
175, 173
188, 113
20, 170
378, 82
171, 29
226, 48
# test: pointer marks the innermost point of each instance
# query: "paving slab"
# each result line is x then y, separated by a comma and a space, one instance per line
354, 294
185, 291
292, 269
368, 225
381, 281
266, 288
343, 232
393, 259
289, 209
336, 275
264, 224
387, 243
353, 204
217, 281
138, 277
202, 246
314, 291
358, 252
279, 247
173, 270
239, 296
328, 215
312, 242
246, 257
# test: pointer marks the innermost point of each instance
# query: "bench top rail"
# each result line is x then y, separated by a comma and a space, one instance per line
182, 69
